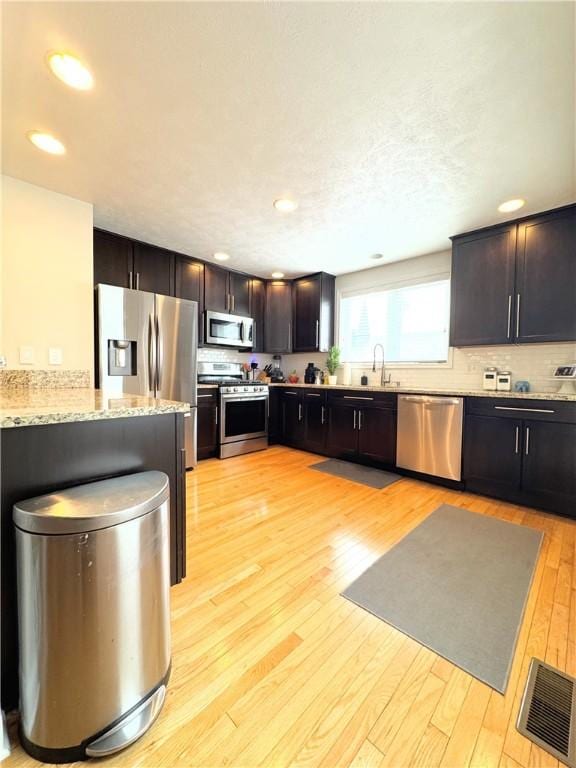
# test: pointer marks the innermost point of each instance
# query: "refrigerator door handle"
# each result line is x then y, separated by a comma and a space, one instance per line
159, 357
151, 377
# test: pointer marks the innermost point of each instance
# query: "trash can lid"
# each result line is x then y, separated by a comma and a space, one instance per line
93, 506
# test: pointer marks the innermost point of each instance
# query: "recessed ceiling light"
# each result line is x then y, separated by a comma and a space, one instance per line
277, 275
285, 206
47, 143
221, 256
377, 256
70, 70
511, 205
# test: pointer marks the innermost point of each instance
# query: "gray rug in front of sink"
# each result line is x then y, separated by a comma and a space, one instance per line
457, 583
347, 470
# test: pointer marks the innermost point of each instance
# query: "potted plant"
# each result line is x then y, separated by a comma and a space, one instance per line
332, 363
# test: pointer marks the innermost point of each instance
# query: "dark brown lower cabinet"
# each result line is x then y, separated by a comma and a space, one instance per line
207, 431
549, 465
362, 428
519, 451
492, 457
377, 434
315, 421
292, 418
304, 419
342, 434
345, 426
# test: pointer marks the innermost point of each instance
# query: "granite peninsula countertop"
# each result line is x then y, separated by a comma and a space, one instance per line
35, 407
433, 391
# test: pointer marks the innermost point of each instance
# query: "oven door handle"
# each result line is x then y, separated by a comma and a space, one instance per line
243, 398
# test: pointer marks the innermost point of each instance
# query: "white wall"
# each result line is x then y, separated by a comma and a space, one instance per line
46, 276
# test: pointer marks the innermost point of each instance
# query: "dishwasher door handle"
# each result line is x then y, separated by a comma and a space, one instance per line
423, 400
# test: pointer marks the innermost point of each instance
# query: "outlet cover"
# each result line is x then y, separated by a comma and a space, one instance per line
54, 355
27, 355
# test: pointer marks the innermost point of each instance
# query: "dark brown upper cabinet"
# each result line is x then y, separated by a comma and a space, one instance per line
313, 313
257, 309
482, 287
189, 284
113, 259
226, 291
130, 264
278, 317
515, 283
239, 288
546, 278
216, 296
153, 269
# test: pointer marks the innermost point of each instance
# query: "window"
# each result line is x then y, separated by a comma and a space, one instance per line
410, 322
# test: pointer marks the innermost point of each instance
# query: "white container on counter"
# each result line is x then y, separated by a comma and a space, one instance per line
504, 381
489, 379
346, 374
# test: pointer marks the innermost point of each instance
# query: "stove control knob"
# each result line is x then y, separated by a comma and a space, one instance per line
235, 389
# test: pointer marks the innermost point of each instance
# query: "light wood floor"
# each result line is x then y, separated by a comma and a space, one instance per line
272, 667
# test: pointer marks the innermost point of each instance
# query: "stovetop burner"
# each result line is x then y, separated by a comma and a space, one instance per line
229, 377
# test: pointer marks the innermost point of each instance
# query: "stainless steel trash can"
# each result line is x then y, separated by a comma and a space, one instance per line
94, 619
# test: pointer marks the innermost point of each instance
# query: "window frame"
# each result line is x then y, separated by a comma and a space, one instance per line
389, 286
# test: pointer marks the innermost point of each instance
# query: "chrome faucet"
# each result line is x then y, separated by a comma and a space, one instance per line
383, 380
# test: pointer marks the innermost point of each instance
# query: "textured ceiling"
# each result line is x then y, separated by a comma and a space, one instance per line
394, 125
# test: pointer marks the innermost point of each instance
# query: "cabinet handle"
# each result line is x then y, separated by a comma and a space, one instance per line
322, 415
289, 334
517, 442
227, 302
352, 397
354, 418
527, 451
233, 302
130, 280
317, 333
509, 315
291, 393
137, 281
216, 416
517, 314
527, 410
359, 420
299, 411
205, 395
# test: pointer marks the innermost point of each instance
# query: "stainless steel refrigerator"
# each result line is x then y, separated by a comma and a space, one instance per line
148, 345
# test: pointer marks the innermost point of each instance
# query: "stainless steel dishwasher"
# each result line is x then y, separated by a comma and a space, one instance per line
429, 437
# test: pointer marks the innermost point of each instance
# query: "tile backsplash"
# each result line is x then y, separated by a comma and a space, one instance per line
531, 362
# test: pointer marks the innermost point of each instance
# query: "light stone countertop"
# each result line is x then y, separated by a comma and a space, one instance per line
34, 407
571, 398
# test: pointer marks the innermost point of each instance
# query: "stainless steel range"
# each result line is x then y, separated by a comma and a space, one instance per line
243, 407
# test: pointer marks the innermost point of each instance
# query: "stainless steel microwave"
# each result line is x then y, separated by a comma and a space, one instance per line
228, 330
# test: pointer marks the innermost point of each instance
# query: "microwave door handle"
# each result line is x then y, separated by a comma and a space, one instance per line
242, 330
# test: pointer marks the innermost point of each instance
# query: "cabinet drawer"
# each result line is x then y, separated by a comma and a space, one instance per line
363, 399
513, 408
207, 396
314, 395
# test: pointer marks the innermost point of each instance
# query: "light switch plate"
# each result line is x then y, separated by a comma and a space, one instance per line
27, 355
55, 355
